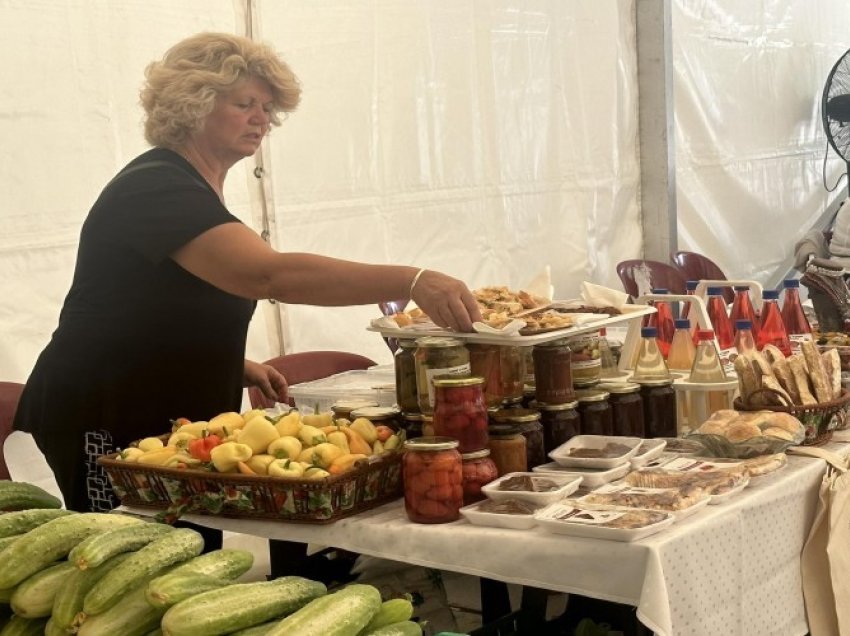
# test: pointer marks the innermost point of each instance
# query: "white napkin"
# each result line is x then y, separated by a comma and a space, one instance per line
599, 296
510, 329
386, 322
541, 284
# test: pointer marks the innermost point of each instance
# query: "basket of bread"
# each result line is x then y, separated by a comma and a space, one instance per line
806, 385
741, 435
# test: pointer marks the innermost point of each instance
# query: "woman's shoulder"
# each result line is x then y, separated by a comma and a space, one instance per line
157, 169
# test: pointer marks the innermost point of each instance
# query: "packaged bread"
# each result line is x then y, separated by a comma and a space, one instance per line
832, 366
801, 379
817, 374
786, 379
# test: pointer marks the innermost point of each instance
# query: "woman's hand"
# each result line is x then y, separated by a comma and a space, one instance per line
266, 378
446, 300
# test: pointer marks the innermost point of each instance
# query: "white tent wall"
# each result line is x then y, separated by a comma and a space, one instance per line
748, 77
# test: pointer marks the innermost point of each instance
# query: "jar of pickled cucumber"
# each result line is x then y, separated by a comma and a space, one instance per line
405, 376
437, 356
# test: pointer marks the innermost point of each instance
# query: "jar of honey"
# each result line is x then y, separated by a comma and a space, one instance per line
527, 423
460, 412
433, 480
507, 448
484, 361
478, 470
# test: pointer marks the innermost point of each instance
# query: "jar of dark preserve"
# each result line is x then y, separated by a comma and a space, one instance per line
405, 376
659, 408
595, 412
627, 407
527, 424
560, 422
460, 412
553, 380
412, 425
507, 448
433, 480
528, 392
478, 470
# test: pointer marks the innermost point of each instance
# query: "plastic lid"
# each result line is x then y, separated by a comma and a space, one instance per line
431, 443
705, 334
648, 332
660, 290
791, 282
715, 291
455, 381
743, 324
770, 294
691, 284
351, 405
741, 287
682, 323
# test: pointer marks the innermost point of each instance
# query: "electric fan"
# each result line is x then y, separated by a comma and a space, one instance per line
835, 108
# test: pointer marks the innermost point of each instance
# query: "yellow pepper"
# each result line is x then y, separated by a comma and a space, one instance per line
325, 453
314, 472
196, 428
258, 434
338, 438
157, 457
311, 436
150, 444
365, 429
260, 463
318, 419
345, 463
286, 469
225, 423
181, 438
285, 448
247, 416
393, 442
182, 458
225, 456
289, 424
130, 454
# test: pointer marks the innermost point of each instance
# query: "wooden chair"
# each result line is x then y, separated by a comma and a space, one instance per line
10, 394
695, 266
641, 276
307, 366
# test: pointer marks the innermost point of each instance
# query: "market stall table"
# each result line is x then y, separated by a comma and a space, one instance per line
732, 568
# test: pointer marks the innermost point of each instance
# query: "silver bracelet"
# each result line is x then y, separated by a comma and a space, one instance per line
415, 280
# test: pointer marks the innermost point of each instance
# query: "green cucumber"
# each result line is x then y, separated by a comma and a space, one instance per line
18, 626
99, 547
52, 541
6, 541
51, 629
165, 591
402, 628
155, 632
33, 598
257, 630
343, 613
6, 595
68, 605
176, 546
131, 615
238, 606
21, 521
19, 495
392, 611
227, 563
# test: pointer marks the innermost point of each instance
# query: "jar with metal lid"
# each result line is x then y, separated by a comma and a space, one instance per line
342, 408
527, 423
512, 363
528, 392
659, 408
627, 408
436, 356
484, 361
412, 425
405, 376
478, 470
460, 412
427, 425
433, 480
585, 362
386, 415
528, 365
552, 373
507, 448
595, 412
561, 422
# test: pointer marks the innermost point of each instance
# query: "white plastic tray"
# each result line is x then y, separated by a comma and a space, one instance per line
630, 312
562, 456
722, 498
648, 450
678, 514
569, 483
496, 520
547, 519
591, 477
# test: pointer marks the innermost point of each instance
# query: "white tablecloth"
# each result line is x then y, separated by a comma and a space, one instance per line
732, 568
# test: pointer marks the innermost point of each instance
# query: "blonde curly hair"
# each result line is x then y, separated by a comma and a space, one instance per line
181, 89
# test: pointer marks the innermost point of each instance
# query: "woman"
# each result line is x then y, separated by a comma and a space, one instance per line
166, 280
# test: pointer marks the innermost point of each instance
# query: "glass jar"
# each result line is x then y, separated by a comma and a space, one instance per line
627, 408
405, 376
527, 424
552, 374
437, 356
379, 415
512, 363
342, 408
586, 363
412, 425
561, 422
528, 392
507, 449
659, 408
427, 425
460, 412
595, 412
478, 470
484, 361
433, 480
528, 365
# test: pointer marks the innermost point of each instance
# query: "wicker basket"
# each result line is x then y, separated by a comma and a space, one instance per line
819, 420
180, 491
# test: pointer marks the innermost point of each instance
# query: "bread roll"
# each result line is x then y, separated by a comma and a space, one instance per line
832, 366
817, 374
775, 431
714, 427
724, 415
740, 431
783, 373
785, 421
801, 379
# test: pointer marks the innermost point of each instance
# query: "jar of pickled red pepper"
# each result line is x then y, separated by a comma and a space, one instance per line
405, 376
460, 412
433, 480
436, 356
507, 448
478, 470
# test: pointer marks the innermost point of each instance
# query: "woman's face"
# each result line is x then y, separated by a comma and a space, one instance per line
236, 126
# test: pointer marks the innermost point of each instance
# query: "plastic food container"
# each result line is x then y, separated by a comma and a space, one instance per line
597, 522
479, 517
649, 450
567, 485
699, 501
626, 448
590, 477
680, 446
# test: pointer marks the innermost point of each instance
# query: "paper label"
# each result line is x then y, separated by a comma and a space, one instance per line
727, 360
687, 465
583, 515
430, 374
797, 340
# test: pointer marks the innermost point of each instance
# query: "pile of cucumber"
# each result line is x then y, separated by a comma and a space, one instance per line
97, 574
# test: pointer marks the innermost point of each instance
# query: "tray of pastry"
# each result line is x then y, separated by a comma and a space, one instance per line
720, 483
681, 502
601, 522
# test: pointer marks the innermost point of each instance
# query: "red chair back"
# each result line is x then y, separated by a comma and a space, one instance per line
695, 266
307, 366
641, 276
10, 394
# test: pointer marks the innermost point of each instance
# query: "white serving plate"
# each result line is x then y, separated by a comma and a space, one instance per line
496, 520
547, 519
677, 446
561, 455
719, 499
569, 483
591, 477
648, 450
678, 514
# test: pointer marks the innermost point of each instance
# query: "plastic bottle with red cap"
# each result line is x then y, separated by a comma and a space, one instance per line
742, 308
707, 369
650, 364
690, 290
662, 320
716, 309
682, 349
772, 328
793, 317
744, 340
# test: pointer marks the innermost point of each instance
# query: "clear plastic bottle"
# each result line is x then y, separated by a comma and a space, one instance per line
716, 309
708, 369
744, 340
690, 290
796, 324
650, 363
742, 308
609, 367
662, 320
772, 328
682, 350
